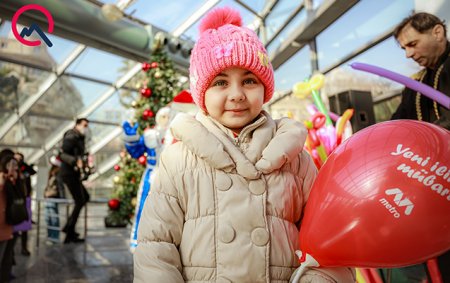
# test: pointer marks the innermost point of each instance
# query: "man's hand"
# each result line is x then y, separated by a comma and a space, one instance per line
80, 163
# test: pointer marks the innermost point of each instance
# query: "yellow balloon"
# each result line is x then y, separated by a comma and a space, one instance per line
316, 82
301, 89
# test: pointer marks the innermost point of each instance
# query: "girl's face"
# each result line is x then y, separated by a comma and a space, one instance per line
235, 98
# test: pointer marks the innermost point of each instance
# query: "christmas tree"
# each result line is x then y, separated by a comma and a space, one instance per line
159, 85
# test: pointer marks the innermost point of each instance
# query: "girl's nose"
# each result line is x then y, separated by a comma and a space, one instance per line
237, 93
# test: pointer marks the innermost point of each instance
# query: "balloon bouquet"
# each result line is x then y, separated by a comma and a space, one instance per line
323, 136
382, 199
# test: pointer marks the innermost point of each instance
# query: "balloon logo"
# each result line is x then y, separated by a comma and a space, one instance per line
382, 199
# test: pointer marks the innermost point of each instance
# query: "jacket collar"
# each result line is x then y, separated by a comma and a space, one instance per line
214, 143
444, 55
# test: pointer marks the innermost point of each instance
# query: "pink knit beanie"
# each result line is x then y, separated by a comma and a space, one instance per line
225, 43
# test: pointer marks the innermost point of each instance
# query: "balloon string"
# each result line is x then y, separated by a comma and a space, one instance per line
306, 262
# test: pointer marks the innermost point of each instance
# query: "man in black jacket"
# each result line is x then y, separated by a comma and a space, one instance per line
423, 36
72, 152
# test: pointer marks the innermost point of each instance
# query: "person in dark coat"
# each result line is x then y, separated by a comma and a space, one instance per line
423, 36
70, 174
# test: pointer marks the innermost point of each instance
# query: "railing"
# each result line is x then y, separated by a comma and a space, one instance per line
84, 215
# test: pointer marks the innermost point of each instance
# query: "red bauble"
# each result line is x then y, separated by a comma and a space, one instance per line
154, 65
146, 92
114, 204
142, 160
116, 167
146, 66
147, 114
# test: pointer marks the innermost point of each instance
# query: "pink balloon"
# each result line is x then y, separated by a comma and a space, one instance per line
410, 83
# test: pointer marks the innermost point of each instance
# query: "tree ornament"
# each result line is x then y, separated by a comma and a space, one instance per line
146, 66
147, 114
122, 154
116, 179
114, 204
146, 92
134, 201
133, 104
133, 180
154, 65
158, 74
117, 167
142, 160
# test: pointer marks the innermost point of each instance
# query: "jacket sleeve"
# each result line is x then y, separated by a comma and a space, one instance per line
156, 258
308, 172
69, 144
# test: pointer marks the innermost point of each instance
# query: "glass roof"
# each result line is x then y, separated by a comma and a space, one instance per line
52, 86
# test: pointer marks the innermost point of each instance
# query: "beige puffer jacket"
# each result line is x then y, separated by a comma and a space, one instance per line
227, 210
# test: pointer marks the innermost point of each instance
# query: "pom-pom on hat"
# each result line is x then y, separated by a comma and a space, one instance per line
225, 43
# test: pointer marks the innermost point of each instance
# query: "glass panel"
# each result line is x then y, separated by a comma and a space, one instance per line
71, 95
317, 4
287, 31
98, 132
256, 5
344, 77
4, 115
102, 187
167, 15
54, 56
279, 15
297, 68
361, 24
247, 18
31, 130
111, 111
393, 56
107, 67
27, 80
112, 148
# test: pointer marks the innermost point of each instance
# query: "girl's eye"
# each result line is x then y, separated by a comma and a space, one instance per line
250, 81
219, 83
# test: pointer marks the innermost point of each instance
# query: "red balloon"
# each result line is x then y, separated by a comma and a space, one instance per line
382, 198
114, 204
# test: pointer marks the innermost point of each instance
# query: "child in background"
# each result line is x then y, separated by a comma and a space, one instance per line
228, 197
53, 190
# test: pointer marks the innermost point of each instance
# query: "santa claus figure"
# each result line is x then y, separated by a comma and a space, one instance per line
152, 143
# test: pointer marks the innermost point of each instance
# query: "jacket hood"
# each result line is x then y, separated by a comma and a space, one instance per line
262, 146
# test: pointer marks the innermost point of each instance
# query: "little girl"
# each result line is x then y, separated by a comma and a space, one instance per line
228, 197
